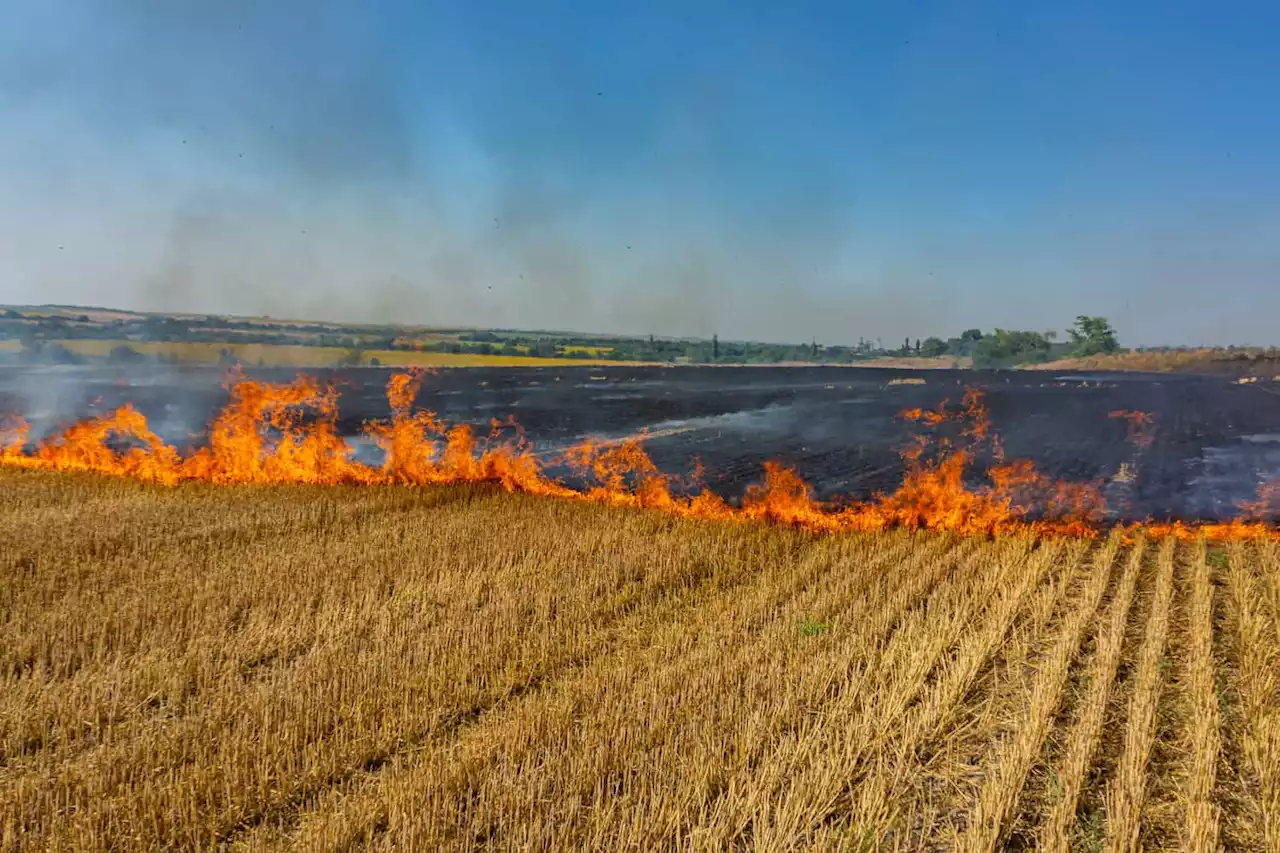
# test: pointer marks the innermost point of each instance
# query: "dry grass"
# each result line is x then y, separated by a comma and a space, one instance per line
1127, 792
1085, 733
1202, 827
909, 362
1254, 360
462, 669
1253, 580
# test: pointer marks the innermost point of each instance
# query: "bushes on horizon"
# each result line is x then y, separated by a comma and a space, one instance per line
1092, 336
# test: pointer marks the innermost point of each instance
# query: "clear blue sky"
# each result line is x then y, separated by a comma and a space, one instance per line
815, 169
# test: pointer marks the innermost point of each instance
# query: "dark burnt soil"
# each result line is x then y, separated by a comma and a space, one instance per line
839, 427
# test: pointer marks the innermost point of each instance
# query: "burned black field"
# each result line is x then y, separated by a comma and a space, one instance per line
1213, 440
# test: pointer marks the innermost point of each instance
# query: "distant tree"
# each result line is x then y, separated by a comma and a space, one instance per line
917, 346
1006, 348
966, 344
933, 347
715, 347
124, 354
353, 357
51, 353
1092, 336
373, 362
12, 315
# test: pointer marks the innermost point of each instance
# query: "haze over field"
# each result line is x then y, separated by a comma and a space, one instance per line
827, 171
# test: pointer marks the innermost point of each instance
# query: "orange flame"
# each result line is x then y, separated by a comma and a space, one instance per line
1142, 426
287, 433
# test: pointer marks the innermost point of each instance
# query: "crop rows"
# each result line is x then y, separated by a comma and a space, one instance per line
271, 668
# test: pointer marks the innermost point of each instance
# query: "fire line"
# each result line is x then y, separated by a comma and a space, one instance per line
261, 437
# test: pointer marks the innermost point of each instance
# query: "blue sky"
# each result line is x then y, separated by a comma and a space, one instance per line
838, 170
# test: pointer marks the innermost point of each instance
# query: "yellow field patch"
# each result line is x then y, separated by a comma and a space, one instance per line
292, 355
396, 358
589, 350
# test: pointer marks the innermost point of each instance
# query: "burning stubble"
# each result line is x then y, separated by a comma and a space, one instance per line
288, 433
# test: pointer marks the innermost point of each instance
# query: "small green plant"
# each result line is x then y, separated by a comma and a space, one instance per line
813, 628
1216, 559
1055, 781
1091, 831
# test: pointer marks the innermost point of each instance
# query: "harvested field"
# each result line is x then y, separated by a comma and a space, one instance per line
458, 668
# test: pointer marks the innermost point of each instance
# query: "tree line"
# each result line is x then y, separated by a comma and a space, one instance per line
40, 337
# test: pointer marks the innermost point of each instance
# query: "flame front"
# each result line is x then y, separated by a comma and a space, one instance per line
287, 433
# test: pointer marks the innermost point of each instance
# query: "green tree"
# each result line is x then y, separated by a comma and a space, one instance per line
1005, 348
966, 344
1092, 336
933, 347
124, 354
353, 357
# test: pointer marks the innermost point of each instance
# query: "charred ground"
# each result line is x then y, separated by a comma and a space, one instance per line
1212, 441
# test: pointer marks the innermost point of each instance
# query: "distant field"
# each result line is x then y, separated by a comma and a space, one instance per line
458, 669
601, 350
303, 356
1263, 363
942, 362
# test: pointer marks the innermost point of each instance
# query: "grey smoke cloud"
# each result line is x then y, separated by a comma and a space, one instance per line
266, 158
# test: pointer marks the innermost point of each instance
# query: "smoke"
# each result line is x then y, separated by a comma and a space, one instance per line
307, 160
265, 158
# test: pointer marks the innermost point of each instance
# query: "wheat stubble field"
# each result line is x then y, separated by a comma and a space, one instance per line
330, 668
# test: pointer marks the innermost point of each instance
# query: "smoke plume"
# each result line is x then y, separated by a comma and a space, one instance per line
298, 159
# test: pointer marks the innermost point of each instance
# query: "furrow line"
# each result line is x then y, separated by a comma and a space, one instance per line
1086, 733
1127, 792
669, 656
879, 769
1007, 772
1259, 662
196, 755
802, 786
1203, 813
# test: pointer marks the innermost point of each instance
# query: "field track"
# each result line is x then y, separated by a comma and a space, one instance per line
337, 668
